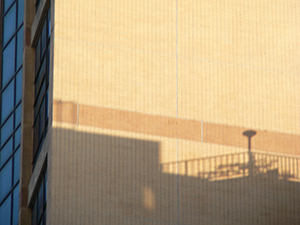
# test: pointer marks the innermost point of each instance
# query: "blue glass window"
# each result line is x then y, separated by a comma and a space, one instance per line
42, 58
16, 166
10, 96
7, 3
9, 24
6, 152
16, 205
49, 24
18, 114
20, 47
18, 137
44, 38
5, 211
39, 206
34, 213
7, 103
7, 129
20, 12
19, 86
37, 55
5, 180
8, 62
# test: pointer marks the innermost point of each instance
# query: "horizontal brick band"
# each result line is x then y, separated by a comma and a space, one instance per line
171, 127
140, 123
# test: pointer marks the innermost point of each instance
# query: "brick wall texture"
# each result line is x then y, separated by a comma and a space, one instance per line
150, 102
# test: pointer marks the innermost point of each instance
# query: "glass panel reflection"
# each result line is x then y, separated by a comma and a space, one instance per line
5, 211
7, 129
5, 180
6, 152
11, 95
9, 24
20, 12
7, 3
16, 166
18, 115
17, 137
19, 86
20, 47
8, 62
40, 203
16, 205
34, 213
7, 104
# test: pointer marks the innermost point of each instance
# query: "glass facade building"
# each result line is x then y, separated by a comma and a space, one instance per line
10, 103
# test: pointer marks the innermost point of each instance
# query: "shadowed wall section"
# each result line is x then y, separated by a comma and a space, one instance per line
101, 179
114, 179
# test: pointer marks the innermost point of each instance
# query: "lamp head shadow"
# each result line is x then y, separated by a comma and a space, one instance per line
249, 133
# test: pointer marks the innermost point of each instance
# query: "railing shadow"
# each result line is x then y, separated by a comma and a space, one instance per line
229, 166
221, 189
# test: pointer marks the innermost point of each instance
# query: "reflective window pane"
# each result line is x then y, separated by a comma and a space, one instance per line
40, 78
36, 139
20, 12
49, 23
37, 55
5, 211
18, 115
16, 166
7, 104
40, 201
18, 137
20, 48
43, 114
44, 38
41, 88
19, 86
7, 129
6, 152
8, 62
34, 214
16, 205
5, 179
9, 25
7, 3
47, 106
46, 183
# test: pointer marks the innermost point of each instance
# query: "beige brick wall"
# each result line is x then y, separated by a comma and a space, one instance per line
239, 63
231, 63
124, 56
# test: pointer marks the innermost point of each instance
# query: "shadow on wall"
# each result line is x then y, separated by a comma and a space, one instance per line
101, 179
